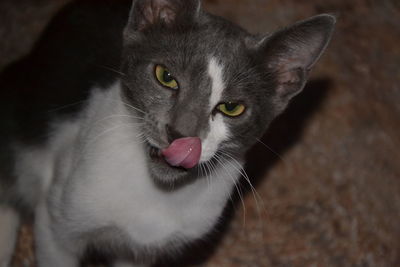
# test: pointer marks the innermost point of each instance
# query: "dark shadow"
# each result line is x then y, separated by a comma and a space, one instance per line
286, 130
80, 48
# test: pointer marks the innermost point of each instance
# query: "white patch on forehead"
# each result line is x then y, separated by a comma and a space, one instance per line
215, 71
218, 130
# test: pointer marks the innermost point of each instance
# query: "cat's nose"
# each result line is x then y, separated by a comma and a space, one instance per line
172, 133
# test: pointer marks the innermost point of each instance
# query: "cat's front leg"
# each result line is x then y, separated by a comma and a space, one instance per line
49, 250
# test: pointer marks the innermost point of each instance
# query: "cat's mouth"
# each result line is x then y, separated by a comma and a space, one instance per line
156, 157
183, 152
154, 152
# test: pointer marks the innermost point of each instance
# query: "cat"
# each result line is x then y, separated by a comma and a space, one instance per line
139, 161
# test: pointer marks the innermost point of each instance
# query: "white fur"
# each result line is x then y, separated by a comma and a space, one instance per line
215, 71
50, 250
35, 166
218, 133
218, 129
9, 223
99, 178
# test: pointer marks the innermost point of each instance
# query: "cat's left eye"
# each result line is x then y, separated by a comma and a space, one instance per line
231, 109
165, 78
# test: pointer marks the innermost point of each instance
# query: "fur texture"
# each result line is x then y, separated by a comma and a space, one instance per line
91, 170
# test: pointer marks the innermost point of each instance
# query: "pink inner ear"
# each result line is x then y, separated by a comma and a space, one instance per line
155, 11
167, 15
148, 17
288, 77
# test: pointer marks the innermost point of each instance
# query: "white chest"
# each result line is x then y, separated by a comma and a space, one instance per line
109, 185
115, 189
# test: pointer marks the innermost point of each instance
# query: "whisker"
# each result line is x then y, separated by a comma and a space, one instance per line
274, 152
237, 186
203, 173
134, 108
129, 105
113, 70
208, 173
118, 116
213, 169
110, 130
67, 106
257, 198
88, 143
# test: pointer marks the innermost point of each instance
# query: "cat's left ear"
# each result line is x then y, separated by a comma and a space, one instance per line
289, 54
147, 13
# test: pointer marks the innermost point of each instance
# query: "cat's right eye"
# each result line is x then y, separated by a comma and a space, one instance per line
165, 78
231, 109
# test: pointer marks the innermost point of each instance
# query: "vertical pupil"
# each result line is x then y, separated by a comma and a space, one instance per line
167, 76
230, 106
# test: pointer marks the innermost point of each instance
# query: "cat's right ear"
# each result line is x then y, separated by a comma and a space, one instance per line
290, 54
145, 14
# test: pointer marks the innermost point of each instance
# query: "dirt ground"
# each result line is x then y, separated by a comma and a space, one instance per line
328, 179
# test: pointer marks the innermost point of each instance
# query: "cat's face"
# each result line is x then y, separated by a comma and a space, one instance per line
195, 75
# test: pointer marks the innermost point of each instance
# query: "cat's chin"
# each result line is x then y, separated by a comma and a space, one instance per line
161, 171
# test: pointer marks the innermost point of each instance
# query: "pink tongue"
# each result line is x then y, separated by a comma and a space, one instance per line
183, 152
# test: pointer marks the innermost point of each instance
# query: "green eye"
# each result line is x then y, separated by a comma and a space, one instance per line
165, 78
231, 109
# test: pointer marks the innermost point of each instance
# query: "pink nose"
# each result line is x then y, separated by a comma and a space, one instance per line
183, 152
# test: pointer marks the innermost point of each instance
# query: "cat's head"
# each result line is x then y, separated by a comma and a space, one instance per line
197, 75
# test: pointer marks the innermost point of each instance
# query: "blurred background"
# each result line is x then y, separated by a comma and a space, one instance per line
328, 176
